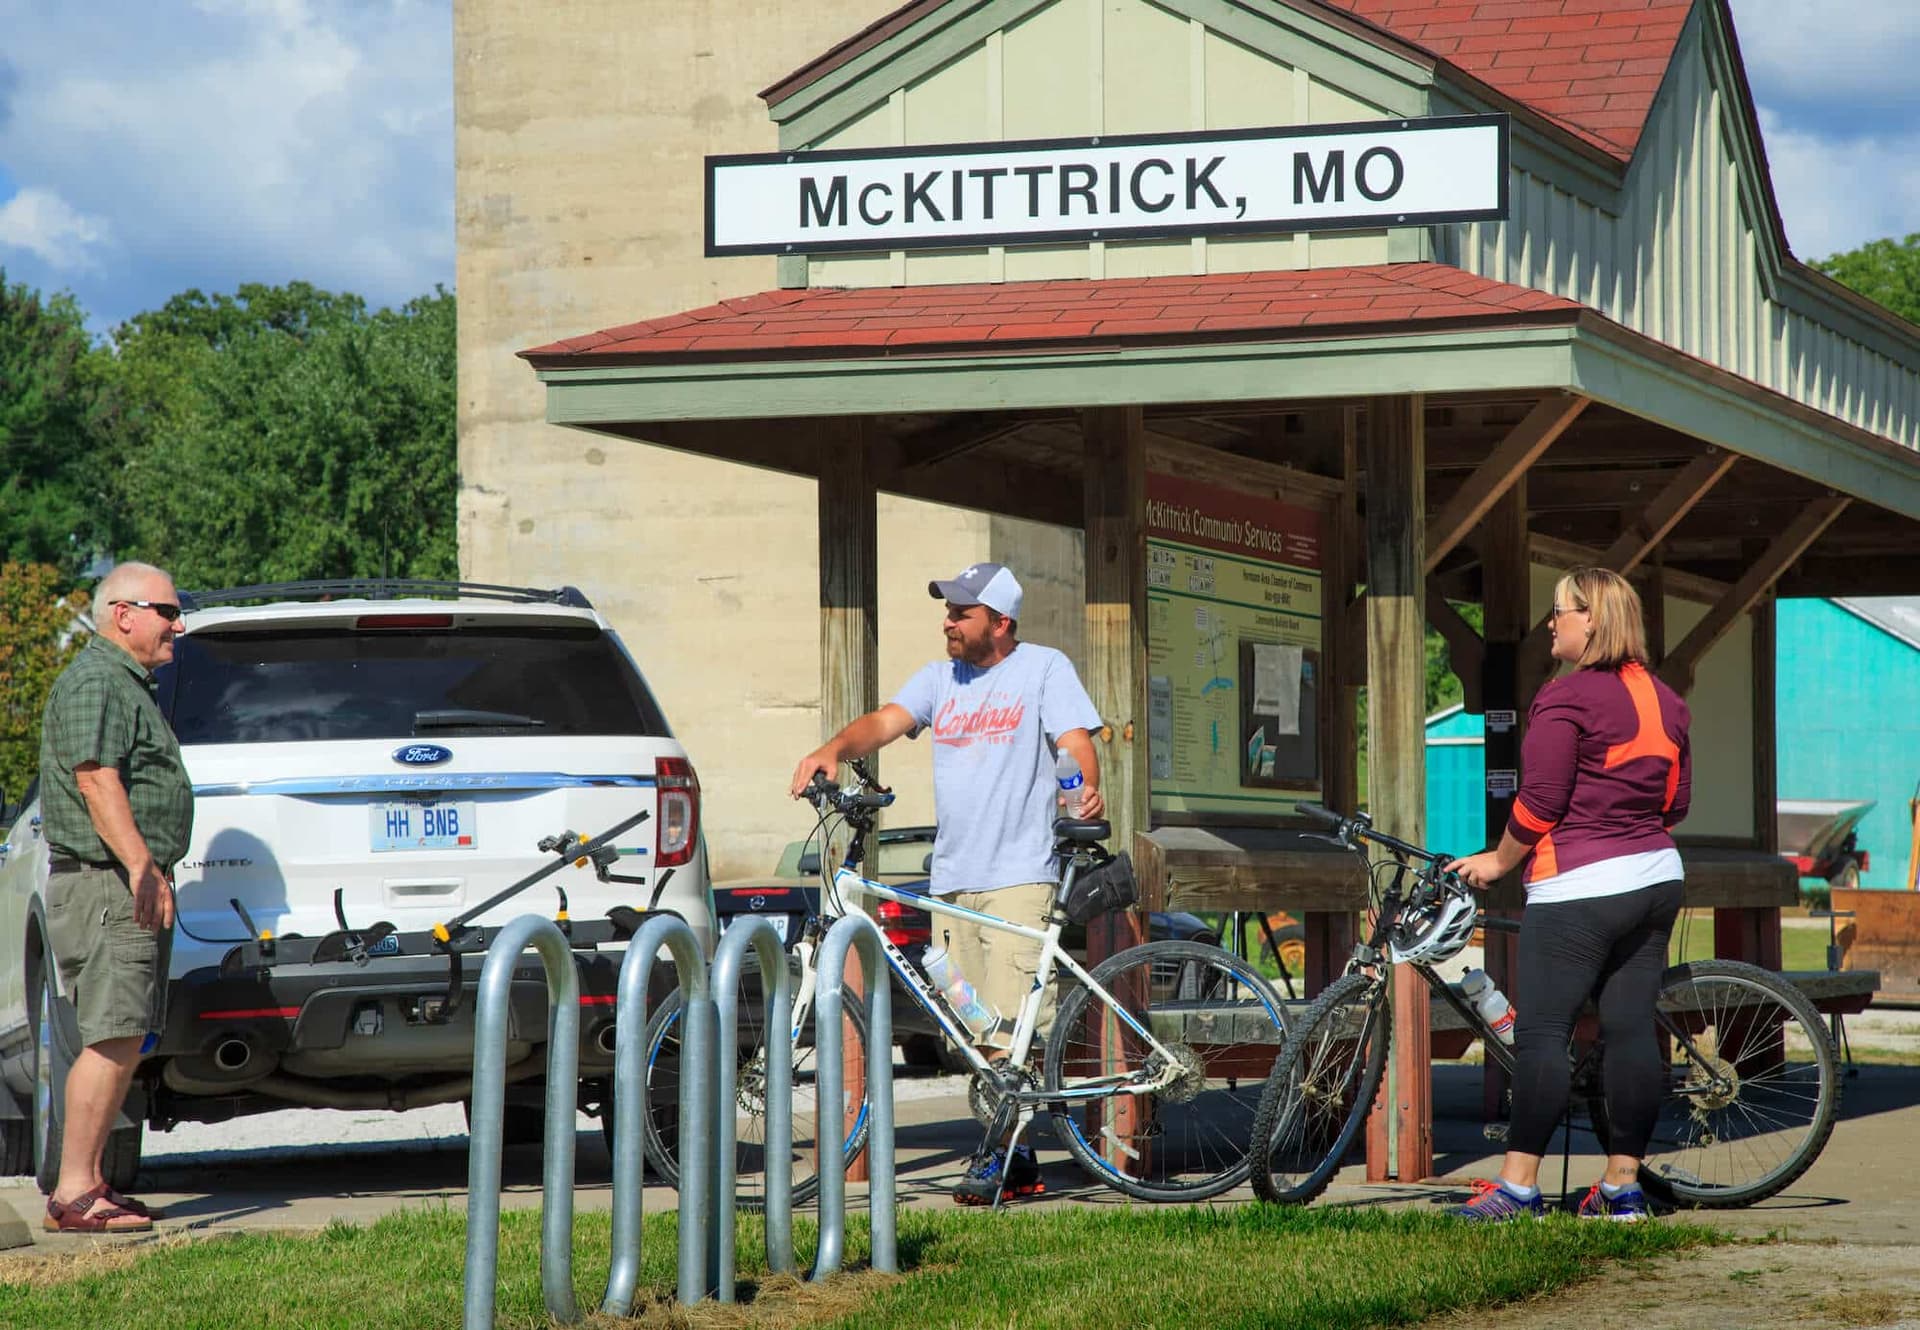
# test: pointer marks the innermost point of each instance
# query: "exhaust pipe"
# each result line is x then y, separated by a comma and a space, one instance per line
232, 1055
603, 1038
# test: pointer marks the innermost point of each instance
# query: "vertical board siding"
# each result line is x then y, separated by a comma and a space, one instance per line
1681, 263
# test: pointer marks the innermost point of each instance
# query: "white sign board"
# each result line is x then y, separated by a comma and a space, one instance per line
1310, 177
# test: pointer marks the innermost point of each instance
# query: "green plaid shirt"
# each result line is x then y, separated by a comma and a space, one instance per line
102, 709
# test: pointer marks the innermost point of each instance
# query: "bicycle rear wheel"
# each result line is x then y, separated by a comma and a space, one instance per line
1220, 1021
1752, 1087
1322, 1085
662, 1141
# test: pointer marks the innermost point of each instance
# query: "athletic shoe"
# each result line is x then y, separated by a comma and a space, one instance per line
982, 1182
1629, 1207
1492, 1203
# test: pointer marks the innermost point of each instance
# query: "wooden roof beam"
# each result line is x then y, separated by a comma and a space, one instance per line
1494, 477
960, 435
1645, 532
1678, 667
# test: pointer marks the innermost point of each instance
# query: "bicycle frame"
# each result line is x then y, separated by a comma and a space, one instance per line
850, 887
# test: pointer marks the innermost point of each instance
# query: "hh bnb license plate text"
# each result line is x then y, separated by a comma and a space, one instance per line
417, 826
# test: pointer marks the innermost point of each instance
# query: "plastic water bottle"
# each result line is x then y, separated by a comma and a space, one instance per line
1490, 1002
945, 975
1072, 783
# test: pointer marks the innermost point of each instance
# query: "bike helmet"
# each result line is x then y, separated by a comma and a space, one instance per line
1435, 931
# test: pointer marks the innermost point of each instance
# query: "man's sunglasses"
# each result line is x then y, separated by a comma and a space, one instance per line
165, 609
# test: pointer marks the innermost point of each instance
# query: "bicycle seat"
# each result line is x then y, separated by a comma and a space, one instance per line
1081, 831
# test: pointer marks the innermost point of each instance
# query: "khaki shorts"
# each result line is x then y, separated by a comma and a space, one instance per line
114, 971
1001, 966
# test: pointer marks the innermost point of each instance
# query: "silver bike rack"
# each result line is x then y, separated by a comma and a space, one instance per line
777, 987
854, 931
698, 1217
489, 1103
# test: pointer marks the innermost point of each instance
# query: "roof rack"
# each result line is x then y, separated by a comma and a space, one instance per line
382, 588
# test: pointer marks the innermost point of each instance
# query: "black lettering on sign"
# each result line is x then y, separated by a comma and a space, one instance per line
986, 175
1077, 181
1395, 180
1198, 180
956, 179
1139, 199
867, 193
918, 194
1033, 174
1332, 177
830, 211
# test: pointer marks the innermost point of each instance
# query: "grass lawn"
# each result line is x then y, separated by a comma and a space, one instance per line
1800, 948
1093, 1266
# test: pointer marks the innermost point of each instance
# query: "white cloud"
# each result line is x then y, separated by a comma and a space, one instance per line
239, 141
1836, 194
1846, 56
41, 223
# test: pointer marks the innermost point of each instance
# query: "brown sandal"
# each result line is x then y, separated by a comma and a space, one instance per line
132, 1206
93, 1212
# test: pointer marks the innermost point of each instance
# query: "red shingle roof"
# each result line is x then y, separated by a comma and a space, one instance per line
1592, 65
1066, 315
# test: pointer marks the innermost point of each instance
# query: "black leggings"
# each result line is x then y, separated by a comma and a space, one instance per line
1614, 949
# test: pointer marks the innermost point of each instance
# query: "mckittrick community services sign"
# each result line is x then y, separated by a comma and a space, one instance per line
1316, 177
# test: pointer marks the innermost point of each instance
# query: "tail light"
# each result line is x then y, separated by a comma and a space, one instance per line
903, 925
677, 806
1866, 860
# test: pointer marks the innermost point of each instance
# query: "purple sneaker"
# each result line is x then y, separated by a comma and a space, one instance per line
1628, 1207
1492, 1203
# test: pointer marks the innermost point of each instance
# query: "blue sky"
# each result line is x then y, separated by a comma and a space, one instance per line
150, 147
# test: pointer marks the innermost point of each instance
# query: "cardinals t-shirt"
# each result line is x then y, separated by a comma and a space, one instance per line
993, 755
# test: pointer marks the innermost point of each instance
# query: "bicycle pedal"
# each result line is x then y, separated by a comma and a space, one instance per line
1494, 1131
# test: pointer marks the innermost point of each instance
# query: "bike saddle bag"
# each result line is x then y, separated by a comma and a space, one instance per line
1107, 886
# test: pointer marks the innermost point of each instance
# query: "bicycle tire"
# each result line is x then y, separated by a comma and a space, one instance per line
1189, 1140
1706, 1142
661, 1138
1317, 1098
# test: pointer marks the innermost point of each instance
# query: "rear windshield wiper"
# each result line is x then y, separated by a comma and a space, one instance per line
453, 718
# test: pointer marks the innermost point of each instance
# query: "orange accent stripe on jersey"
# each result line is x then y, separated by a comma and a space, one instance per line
1527, 818
1651, 740
1546, 861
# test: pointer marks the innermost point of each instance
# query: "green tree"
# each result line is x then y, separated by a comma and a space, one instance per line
286, 432
54, 480
38, 636
1886, 271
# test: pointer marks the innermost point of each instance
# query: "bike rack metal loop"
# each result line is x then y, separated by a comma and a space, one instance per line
851, 932
777, 987
489, 1104
697, 1214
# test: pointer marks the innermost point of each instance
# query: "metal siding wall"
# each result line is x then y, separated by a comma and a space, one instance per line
1456, 803
1848, 718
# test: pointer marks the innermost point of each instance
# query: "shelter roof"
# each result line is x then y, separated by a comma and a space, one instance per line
1593, 66
1897, 616
1067, 314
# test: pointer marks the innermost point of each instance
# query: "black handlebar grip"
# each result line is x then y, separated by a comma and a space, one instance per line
1315, 813
881, 800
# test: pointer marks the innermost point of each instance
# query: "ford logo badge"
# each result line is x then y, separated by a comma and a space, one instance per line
421, 755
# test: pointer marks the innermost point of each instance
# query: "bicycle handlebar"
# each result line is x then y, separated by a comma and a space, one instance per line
868, 794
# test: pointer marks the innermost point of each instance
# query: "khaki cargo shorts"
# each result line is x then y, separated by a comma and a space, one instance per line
114, 971
1002, 966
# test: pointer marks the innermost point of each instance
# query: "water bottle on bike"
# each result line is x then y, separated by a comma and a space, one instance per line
1478, 988
974, 1013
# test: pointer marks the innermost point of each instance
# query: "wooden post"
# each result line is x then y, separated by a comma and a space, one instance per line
1115, 486
849, 647
1506, 595
1394, 441
1329, 935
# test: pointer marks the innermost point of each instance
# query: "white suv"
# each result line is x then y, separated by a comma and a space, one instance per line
370, 762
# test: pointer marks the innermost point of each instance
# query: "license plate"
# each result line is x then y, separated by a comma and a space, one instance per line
418, 826
786, 926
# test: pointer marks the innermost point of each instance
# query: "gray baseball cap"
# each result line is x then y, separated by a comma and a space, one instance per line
989, 584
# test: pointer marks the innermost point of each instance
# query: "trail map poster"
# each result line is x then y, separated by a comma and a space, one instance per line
1233, 650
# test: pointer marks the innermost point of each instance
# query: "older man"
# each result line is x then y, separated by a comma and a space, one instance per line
117, 809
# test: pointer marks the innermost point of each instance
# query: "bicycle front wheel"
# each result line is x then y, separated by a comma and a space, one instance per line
750, 1106
1216, 1022
1322, 1085
1752, 1087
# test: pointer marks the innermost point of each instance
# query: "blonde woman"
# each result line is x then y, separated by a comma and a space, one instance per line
1606, 776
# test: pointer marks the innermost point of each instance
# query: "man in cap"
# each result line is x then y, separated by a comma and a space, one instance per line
1001, 711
